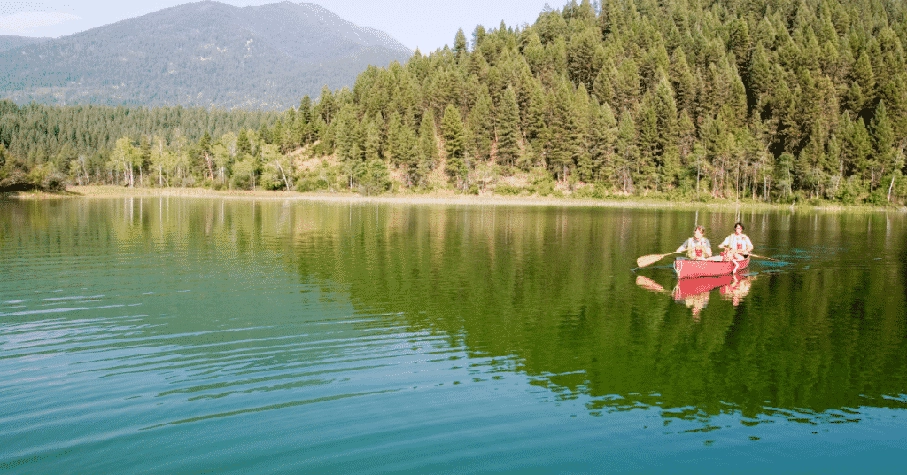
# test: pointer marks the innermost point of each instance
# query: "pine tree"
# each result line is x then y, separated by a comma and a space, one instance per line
668, 158
145, 147
452, 130
459, 44
204, 152
883, 156
627, 153
481, 127
581, 56
894, 95
682, 80
648, 144
863, 83
508, 122
243, 145
372, 140
760, 75
602, 86
564, 146
856, 147
535, 123
602, 138
739, 42
626, 85
427, 147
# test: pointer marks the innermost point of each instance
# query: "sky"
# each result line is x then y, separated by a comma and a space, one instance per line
426, 24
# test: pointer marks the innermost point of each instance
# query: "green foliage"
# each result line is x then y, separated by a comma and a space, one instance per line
767, 101
373, 177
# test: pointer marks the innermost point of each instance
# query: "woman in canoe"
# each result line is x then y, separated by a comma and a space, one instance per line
697, 247
736, 246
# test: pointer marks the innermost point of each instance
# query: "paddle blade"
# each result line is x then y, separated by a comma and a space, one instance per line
649, 284
650, 259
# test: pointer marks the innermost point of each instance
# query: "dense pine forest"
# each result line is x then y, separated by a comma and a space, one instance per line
762, 100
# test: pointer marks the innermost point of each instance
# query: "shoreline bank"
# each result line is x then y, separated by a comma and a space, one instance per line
109, 191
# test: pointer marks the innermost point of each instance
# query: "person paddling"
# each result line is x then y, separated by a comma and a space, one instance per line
697, 247
736, 246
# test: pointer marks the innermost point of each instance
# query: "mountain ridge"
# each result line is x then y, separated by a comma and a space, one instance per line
199, 54
8, 42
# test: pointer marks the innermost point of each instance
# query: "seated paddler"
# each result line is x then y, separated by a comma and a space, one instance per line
697, 247
737, 246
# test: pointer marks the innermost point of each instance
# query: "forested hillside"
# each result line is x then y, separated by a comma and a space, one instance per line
8, 42
759, 100
199, 54
47, 147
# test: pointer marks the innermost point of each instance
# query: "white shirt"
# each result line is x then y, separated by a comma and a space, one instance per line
740, 243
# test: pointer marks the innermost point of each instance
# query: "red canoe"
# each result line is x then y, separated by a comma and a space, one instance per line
686, 268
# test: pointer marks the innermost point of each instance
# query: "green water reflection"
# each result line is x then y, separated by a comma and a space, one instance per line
812, 339
825, 332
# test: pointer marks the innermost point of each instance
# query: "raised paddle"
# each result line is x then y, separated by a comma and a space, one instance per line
650, 259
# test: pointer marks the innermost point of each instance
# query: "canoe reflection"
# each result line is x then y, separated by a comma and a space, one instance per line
737, 289
695, 293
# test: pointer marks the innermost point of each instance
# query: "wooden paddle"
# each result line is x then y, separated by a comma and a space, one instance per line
650, 259
757, 256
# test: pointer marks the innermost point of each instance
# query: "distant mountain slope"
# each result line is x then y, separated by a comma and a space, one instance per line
8, 42
199, 54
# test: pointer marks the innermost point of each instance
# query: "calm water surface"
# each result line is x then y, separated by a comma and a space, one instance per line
194, 335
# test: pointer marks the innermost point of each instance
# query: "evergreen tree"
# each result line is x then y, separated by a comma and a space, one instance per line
582, 59
863, 83
626, 85
455, 151
564, 146
761, 75
427, 147
459, 44
243, 145
481, 127
508, 129
372, 140
883, 156
682, 80
602, 138
627, 155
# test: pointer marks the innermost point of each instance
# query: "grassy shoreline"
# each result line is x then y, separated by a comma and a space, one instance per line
435, 198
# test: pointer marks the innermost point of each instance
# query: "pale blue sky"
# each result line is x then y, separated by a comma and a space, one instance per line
427, 24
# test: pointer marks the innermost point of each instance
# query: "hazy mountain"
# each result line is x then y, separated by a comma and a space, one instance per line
8, 42
205, 53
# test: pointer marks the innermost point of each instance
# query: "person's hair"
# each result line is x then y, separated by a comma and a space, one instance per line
738, 223
699, 227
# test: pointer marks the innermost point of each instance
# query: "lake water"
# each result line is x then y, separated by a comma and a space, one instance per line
181, 335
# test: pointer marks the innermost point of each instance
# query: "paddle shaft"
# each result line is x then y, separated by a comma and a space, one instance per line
757, 256
645, 261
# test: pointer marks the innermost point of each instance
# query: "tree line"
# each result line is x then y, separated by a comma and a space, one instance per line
761, 100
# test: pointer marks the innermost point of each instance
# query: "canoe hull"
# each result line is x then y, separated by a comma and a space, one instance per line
689, 269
